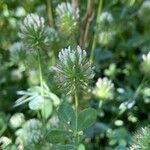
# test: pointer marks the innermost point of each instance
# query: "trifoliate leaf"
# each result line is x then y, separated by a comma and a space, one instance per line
59, 136
86, 118
47, 108
67, 115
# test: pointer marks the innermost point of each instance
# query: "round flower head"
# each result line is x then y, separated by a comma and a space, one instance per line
104, 89
33, 31
74, 71
105, 20
17, 120
30, 133
145, 66
105, 38
144, 11
106, 29
141, 139
4, 142
67, 17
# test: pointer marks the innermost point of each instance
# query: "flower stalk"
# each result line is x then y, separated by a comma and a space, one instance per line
94, 38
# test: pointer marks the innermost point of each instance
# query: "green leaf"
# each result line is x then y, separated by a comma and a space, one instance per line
67, 115
36, 103
47, 108
64, 147
86, 118
81, 147
59, 136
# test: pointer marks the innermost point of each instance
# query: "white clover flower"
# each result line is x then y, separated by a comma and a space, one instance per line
145, 66
74, 71
31, 132
106, 29
64, 9
104, 89
105, 38
17, 54
4, 142
33, 21
144, 11
17, 120
105, 21
146, 57
67, 17
141, 139
33, 31
106, 17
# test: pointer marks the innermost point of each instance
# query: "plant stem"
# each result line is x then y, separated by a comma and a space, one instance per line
41, 81
76, 111
49, 12
86, 23
75, 3
40, 75
94, 38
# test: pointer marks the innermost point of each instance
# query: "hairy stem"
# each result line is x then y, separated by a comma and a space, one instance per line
94, 38
41, 80
86, 23
76, 111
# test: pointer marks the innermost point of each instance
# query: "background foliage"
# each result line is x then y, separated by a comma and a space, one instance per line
118, 42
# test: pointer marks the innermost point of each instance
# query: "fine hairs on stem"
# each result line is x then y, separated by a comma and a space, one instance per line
76, 111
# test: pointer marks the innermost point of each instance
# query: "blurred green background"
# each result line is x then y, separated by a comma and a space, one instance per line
118, 52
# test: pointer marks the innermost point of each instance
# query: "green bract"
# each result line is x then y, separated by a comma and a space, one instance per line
73, 71
142, 139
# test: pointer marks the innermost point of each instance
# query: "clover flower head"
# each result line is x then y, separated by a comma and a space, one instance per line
105, 20
146, 64
33, 21
105, 38
67, 17
105, 17
30, 133
4, 142
74, 71
33, 31
143, 11
141, 139
17, 120
67, 9
16, 52
104, 89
